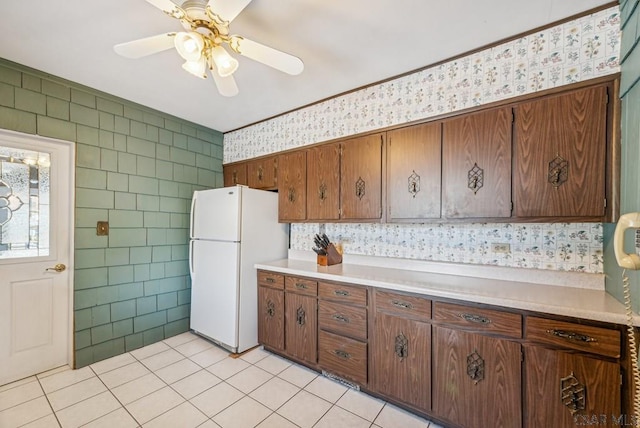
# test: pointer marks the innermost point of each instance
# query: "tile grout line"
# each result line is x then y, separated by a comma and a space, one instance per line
46, 396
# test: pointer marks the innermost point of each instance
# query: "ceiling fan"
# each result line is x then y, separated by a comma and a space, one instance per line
201, 45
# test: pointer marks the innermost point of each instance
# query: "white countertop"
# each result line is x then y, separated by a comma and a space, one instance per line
588, 303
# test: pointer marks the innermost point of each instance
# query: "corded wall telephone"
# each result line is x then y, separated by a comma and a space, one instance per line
632, 262
627, 261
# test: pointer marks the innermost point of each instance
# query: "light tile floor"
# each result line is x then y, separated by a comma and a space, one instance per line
187, 382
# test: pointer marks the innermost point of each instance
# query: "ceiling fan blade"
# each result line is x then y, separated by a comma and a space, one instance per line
272, 57
226, 85
168, 7
147, 46
227, 9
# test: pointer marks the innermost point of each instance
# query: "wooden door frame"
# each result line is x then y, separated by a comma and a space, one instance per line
68, 152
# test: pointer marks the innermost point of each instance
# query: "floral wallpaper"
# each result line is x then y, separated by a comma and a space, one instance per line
577, 50
559, 246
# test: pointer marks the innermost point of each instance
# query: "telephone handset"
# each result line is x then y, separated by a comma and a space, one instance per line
627, 261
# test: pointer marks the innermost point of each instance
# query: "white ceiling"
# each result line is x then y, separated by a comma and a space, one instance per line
343, 44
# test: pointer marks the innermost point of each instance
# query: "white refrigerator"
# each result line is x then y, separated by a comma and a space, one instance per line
232, 229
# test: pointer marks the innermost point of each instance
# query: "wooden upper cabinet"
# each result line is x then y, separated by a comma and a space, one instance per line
235, 174
413, 172
560, 150
262, 173
292, 186
323, 182
476, 165
361, 177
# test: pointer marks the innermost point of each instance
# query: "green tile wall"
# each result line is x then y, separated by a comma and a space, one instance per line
630, 147
136, 168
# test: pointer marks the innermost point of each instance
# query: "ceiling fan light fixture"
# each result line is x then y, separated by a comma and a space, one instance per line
189, 45
225, 63
197, 68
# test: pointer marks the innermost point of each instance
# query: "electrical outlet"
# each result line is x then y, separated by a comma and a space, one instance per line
638, 241
501, 248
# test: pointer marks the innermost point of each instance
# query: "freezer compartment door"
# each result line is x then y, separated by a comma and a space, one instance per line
214, 290
215, 214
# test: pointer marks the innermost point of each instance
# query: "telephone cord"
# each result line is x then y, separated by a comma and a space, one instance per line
633, 346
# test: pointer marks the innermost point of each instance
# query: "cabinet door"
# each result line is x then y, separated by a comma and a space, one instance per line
468, 370
400, 364
361, 178
476, 165
292, 186
323, 182
560, 149
413, 171
301, 332
271, 317
235, 174
262, 173
557, 383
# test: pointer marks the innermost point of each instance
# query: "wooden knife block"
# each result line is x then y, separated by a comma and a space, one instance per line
333, 257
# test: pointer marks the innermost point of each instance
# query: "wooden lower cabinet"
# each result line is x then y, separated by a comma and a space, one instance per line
564, 389
301, 327
467, 366
476, 379
400, 360
271, 317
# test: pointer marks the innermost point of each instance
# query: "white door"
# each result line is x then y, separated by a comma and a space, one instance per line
214, 290
36, 229
215, 214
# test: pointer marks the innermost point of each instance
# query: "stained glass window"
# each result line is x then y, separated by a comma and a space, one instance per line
24, 203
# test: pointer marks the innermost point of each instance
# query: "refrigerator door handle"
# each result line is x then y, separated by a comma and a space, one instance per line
193, 214
192, 271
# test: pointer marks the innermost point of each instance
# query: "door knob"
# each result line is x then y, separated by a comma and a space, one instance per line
58, 268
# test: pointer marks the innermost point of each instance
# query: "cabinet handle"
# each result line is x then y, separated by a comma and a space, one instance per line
403, 305
301, 286
558, 171
260, 173
414, 183
301, 316
322, 191
342, 354
475, 367
360, 188
478, 319
292, 194
235, 177
341, 318
341, 293
271, 308
475, 178
570, 335
402, 346
573, 394
270, 280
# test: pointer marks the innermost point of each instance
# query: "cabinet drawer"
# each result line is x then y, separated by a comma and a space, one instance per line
410, 306
343, 293
479, 319
586, 338
270, 279
343, 356
300, 285
343, 319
